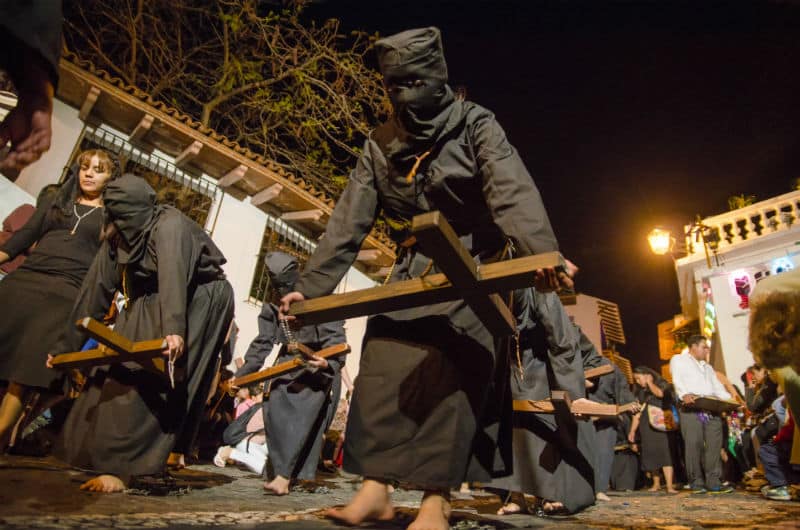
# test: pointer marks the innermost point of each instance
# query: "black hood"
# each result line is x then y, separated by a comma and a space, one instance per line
283, 271
130, 204
423, 113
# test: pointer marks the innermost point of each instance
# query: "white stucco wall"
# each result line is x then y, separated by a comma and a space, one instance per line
48, 169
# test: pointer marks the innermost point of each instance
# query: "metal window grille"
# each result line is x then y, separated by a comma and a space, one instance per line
189, 193
278, 236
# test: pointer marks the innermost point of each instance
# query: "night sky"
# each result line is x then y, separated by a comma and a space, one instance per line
628, 115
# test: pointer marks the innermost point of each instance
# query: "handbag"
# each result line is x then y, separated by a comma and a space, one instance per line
663, 420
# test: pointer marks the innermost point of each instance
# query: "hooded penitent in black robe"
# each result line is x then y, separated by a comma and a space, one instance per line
37, 297
421, 407
299, 406
127, 419
553, 455
609, 388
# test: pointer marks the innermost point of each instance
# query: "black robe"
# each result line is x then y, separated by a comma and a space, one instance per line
553, 455
299, 406
421, 408
609, 388
127, 420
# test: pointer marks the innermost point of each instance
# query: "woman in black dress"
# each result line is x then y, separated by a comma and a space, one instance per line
656, 445
66, 231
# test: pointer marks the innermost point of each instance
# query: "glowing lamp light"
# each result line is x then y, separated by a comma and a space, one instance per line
660, 240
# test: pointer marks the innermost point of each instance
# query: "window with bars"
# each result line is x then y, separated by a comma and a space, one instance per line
189, 193
278, 236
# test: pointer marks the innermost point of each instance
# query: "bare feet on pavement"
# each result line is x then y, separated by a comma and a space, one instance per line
371, 503
279, 485
434, 512
104, 484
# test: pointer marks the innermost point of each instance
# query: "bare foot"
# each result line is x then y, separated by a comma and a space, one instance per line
553, 508
371, 503
434, 513
672, 490
510, 508
279, 485
654, 488
104, 484
600, 496
176, 461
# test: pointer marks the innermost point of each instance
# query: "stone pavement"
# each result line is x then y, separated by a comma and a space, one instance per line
42, 493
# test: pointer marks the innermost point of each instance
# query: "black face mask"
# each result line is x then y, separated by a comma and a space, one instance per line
418, 97
130, 203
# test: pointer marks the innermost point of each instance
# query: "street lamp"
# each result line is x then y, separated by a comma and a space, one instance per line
661, 241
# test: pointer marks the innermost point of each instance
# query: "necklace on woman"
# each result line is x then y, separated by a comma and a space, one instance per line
80, 217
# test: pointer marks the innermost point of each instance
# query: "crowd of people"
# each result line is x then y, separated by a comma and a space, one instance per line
431, 407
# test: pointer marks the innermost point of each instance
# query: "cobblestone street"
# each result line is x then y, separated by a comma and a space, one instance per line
41, 493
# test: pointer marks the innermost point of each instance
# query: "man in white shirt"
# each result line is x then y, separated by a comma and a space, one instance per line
693, 377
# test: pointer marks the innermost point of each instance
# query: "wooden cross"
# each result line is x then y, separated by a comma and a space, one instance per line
286, 367
114, 348
560, 401
461, 278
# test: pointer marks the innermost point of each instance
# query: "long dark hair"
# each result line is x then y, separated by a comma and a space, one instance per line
657, 379
70, 190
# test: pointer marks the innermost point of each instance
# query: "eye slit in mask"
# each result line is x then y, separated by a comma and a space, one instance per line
409, 82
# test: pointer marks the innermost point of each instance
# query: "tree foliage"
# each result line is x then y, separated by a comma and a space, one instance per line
297, 92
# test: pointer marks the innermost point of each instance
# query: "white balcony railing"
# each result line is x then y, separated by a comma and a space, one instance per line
746, 224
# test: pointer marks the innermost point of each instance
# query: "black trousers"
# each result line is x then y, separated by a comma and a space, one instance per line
702, 441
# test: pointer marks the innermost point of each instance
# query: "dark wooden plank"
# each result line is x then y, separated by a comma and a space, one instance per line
597, 371
288, 366
560, 401
438, 240
433, 288
715, 405
151, 361
106, 336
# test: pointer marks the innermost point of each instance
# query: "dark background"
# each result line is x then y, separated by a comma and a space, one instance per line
628, 114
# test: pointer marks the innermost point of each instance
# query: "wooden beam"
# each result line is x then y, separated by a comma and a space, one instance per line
188, 154
288, 366
438, 240
560, 403
114, 348
597, 371
303, 215
142, 128
370, 254
88, 102
233, 176
266, 195
433, 288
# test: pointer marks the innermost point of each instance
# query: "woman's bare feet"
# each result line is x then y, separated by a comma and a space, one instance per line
600, 496
670, 489
654, 488
104, 484
434, 512
371, 503
279, 485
